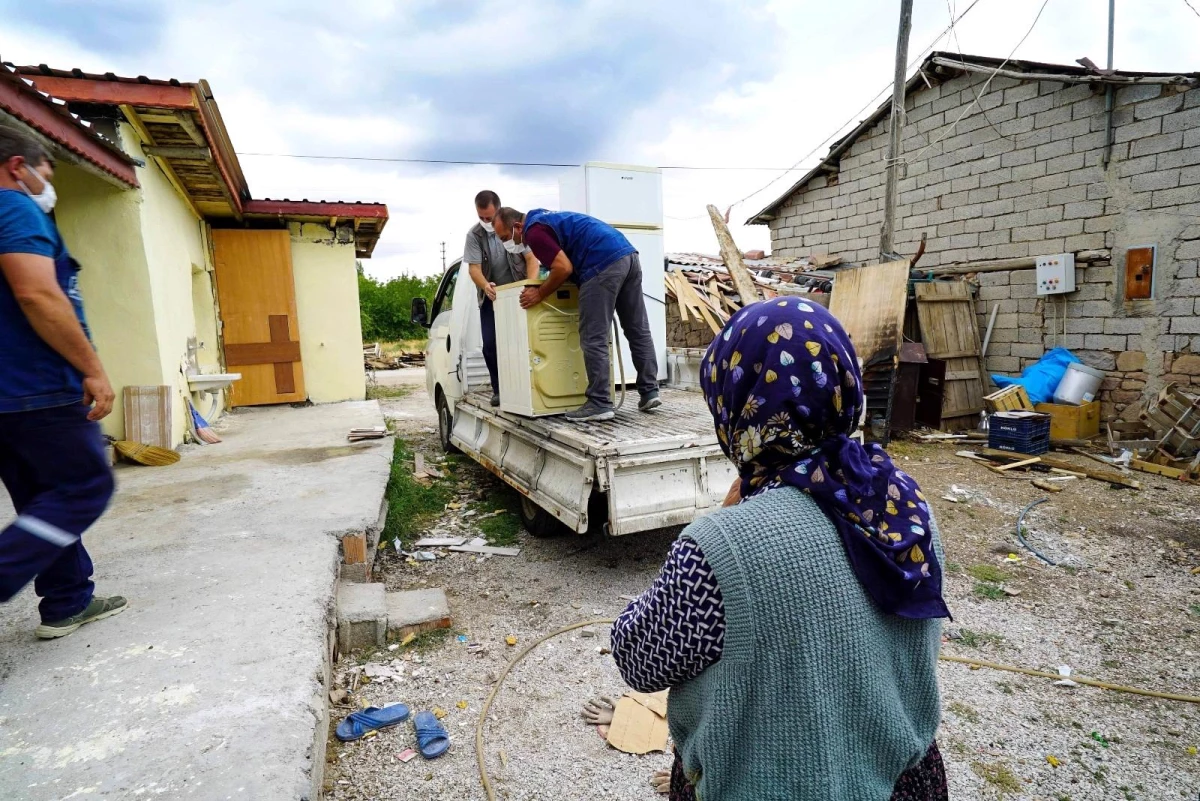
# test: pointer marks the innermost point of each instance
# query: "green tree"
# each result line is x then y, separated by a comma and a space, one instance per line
385, 305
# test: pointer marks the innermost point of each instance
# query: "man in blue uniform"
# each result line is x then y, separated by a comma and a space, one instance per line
605, 264
53, 389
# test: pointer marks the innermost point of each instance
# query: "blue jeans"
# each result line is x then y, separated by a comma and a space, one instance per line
52, 462
487, 326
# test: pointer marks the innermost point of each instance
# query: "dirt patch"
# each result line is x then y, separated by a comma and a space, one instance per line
300, 456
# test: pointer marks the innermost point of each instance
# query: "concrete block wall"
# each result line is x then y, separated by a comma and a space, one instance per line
1020, 175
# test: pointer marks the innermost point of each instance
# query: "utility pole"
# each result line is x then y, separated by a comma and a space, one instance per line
1109, 90
443, 257
886, 235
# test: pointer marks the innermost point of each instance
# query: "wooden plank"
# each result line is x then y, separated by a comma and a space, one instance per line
1061, 464
732, 257
354, 549
148, 415
1046, 485
1159, 469
698, 305
184, 118
950, 332
261, 353
185, 153
1014, 465
869, 302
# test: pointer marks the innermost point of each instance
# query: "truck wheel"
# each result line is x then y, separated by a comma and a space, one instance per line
445, 423
538, 522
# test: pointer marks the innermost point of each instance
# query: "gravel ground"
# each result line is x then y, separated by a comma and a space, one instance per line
1124, 608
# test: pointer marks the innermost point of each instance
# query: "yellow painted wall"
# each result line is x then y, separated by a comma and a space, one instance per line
101, 226
328, 314
175, 248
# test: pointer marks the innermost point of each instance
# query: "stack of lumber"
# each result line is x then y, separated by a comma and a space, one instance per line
708, 293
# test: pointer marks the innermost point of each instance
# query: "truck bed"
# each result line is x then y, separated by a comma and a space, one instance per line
659, 469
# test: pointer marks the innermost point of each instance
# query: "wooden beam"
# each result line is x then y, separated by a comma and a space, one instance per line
333, 222
114, 93
1121, 80
1023, 263
1110, 476
742, 280
189, 153
184, 118
137, 123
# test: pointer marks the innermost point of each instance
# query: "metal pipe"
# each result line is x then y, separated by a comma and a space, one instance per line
1110, 91
887, 233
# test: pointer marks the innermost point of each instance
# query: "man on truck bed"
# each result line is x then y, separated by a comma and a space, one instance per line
602, 261
490, 265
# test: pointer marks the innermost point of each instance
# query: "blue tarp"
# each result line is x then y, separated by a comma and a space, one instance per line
1041, 378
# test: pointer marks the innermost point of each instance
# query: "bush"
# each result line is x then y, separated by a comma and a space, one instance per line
385, 305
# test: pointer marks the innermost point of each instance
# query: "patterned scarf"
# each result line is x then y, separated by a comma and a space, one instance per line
783, 385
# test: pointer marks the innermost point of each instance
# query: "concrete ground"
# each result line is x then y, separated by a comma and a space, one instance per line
212, 684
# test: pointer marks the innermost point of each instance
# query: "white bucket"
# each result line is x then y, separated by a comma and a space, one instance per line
1079, 385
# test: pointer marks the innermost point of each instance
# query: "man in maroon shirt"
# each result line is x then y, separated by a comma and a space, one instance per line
606, 267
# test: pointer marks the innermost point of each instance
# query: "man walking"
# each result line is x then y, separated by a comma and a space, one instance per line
490, 264
53, 389
605, 264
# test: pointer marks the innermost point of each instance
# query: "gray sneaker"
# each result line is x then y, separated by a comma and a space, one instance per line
495, 400
591, 412
649, 402
98, 609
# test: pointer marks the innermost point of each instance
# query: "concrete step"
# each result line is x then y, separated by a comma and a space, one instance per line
361, 616
416, 611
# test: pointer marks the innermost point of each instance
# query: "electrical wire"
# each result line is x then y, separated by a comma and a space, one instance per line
949, 130
490, 791
490, 163
1192, 7
1021, 534
888, 87
963, 60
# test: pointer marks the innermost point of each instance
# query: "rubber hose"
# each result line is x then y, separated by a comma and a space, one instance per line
487, 705
1021, 536
620, 364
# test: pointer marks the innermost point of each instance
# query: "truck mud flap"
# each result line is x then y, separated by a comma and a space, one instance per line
549, 474
665, 489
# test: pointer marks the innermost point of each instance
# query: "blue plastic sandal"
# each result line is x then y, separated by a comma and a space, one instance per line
370, 719
432, 739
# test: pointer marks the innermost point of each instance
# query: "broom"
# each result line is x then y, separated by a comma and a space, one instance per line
201, 428
150, 455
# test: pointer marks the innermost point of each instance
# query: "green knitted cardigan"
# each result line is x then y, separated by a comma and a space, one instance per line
818, 695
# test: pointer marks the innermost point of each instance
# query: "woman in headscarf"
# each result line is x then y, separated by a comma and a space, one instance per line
797, 629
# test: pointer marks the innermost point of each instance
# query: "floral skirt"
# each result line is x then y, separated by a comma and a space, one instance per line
925, 782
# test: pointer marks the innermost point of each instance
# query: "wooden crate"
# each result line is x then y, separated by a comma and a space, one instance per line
1010, 399
1072, 422
148, 415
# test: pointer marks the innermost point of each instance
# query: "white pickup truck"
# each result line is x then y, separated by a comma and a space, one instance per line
634, 473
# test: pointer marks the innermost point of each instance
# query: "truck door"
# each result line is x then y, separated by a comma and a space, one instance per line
442, 351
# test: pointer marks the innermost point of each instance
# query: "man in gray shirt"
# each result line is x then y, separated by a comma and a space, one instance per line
490, 265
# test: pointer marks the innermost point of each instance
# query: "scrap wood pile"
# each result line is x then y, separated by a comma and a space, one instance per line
704, 290
375, 359
1165, 441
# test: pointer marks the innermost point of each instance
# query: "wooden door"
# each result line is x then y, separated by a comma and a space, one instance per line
950, 332
258, 309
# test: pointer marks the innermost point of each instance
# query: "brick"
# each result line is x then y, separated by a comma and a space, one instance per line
1046, 214
1029, 171
1094, 225
1029, 233
968, 212
1137, 130
1087, 208
1176, 197
1064, 228
1189, 176
1030, 202
1185, 325
1070, 131
1089, 142
1024, 91
977, 225
1183, 121
1004, 364
1023, 290
1186, 269
1124, 325
983, 195
1179, 158
1013, 250
1071, 161
1051, 182
1053, 149
1034, 106
1157, 108
1137, 94
1074, 244
964, 240
1031, 351
1097, 191
998, 237
1068, 194
1156, 144
999, 278
1085, 325
1149, 182
1188, 250
1015, 189
1087, 291
994, 293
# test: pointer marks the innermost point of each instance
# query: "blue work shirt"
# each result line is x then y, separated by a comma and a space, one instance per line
32, 374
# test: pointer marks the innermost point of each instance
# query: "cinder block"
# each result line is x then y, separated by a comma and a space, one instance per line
1125, 325
1048, 214
1086, 208
1179, 158
1049, 182
361, 616
1098, 359
1029, 350
1183, 121
1053, 149
1074, 244
1104, 342
1001, 237
1064, 228
1029, 171
1185, 325
1034, 200
1085, 325
1156, 144
1029, 233
1158, 107
416, 611
1071, 161
1138, 130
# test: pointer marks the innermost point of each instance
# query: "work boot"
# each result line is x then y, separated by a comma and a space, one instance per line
98, 609
495, 400
591, 412
650, 402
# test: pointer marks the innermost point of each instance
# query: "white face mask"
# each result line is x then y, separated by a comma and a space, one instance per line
512, 247
46, 199
487, 226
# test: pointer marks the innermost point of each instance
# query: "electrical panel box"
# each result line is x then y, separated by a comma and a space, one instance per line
541, 369
1055, 274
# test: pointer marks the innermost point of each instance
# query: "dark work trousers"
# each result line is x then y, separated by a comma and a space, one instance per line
53, 463
487, 326
618, 287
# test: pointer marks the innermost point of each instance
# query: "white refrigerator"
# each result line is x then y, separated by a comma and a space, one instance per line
629, 198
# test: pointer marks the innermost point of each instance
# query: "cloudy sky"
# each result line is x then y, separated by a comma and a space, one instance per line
754, 85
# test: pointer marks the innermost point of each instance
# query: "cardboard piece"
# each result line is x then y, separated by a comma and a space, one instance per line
655, 702
635, 729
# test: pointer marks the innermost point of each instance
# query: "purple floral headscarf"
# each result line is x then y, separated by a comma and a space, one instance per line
783, 385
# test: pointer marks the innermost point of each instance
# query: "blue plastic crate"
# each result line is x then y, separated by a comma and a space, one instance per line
1027, 425
1033, 446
